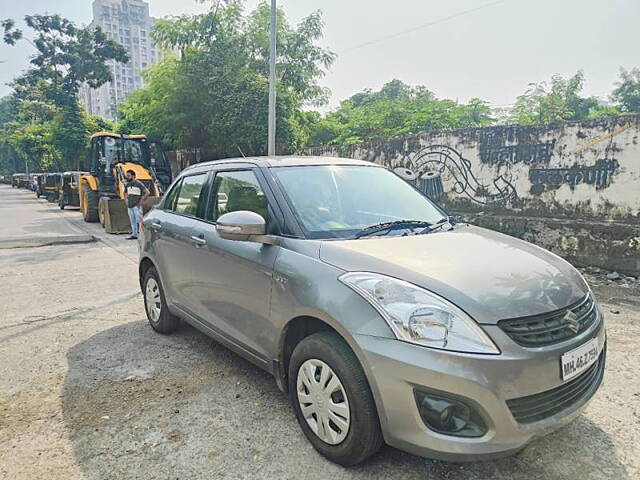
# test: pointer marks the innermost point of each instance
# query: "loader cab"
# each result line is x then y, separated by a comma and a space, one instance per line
111, 152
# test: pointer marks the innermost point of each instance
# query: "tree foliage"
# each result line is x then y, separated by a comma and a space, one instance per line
47, 124
214, 96
560, 100
627, 92
396, 110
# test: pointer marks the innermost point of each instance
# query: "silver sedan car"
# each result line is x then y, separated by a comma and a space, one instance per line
383, 319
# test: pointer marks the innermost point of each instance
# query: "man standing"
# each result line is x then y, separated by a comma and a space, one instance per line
135, 193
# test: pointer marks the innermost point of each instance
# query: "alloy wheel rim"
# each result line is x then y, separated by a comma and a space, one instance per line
154, 303
323, 401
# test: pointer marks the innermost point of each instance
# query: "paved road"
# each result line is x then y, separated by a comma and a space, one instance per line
87, 390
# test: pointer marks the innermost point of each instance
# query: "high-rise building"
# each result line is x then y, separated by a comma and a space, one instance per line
127, 22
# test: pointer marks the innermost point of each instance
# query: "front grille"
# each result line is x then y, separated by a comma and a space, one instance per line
552, 327
546, 404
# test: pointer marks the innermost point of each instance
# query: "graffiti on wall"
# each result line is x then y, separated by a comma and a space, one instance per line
598, 175
434, 165
440, 169
494, 150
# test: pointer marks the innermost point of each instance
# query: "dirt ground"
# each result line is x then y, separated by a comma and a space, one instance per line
88, 390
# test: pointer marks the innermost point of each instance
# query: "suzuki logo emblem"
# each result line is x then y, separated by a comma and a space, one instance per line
572, 321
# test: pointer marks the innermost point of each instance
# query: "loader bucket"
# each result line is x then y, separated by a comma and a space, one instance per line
114, 215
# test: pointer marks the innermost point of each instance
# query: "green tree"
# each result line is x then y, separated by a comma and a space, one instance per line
559, 101
66, 57
397, 109
214, 95
627, 92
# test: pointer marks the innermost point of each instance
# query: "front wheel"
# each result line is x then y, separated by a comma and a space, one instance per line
332, 400
89, 204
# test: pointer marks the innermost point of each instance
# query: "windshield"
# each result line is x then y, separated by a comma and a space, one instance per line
118, 150
339, 201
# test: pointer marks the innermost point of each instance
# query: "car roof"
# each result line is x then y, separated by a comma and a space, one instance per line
286, 161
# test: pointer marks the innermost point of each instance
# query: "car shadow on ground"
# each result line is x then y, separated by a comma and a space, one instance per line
141, 405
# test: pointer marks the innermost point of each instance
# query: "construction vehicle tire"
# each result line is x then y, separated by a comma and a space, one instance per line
90, 205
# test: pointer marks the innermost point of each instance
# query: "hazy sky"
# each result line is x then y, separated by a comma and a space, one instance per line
491, 53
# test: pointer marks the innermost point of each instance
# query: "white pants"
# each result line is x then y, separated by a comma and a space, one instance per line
135, 217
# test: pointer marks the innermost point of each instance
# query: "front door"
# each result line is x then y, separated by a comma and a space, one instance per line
238, 275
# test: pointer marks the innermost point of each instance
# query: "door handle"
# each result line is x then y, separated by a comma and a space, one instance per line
157, 226
199, 241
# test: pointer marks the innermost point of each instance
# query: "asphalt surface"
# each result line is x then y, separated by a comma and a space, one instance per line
88, 390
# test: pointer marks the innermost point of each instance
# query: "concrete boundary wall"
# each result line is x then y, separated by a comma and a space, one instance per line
573, 187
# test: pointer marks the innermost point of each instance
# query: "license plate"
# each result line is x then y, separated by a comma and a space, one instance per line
579, 359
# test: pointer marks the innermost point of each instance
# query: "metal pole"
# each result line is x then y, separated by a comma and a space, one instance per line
272, 82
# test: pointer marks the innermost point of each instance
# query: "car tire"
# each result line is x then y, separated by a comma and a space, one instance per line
364, 436
155, 304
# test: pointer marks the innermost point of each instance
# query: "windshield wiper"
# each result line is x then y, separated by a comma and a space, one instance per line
443, 222
390, 226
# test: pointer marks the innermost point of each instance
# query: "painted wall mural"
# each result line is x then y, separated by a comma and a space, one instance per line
599, 175
438, 165
496, 147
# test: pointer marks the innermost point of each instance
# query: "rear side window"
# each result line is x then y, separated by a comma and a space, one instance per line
170, 198
191, 189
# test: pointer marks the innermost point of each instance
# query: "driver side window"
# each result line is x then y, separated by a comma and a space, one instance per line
234, 191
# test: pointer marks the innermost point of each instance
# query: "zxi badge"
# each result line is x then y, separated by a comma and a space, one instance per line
572, 321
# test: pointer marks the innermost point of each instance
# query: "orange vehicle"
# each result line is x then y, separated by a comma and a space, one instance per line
102, 189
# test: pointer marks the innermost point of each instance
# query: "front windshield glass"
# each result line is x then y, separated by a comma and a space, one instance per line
118, 150
339, 201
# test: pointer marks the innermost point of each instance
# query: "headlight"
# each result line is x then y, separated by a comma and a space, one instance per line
418, 316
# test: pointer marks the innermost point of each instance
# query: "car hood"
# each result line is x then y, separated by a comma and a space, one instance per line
489, 275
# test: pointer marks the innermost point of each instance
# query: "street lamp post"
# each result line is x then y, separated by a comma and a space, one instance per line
272, 81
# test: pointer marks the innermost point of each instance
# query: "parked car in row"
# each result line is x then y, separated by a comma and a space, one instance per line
383, 318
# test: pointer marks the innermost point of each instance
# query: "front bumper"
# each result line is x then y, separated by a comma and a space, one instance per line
396, 368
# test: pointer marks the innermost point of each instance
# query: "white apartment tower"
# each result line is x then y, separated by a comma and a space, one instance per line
127, 22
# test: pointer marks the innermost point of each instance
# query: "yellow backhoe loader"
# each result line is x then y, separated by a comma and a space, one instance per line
102, 189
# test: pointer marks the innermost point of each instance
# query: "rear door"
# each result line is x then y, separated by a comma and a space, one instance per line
175, 229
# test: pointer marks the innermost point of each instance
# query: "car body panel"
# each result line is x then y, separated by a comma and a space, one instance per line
489, 275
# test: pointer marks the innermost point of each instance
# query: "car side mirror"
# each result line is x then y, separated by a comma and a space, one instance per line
244, 226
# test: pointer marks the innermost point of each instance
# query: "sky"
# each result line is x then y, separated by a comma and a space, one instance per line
493, 51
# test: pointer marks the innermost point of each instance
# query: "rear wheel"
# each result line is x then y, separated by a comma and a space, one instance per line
160, 319
89, 204
332, 400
